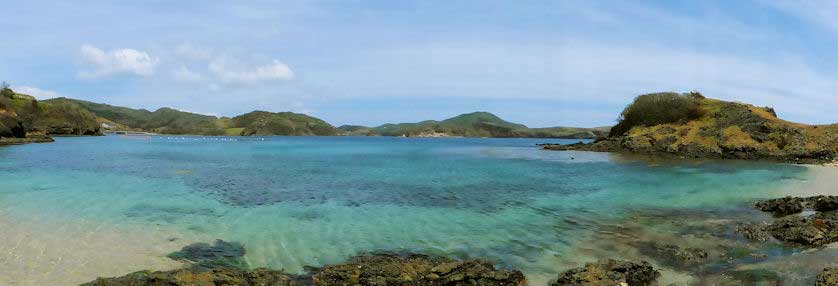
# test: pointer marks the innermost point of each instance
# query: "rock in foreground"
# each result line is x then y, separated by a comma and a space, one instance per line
415, 270
609, 272
367, 270
191, 277
828, 277
815, 230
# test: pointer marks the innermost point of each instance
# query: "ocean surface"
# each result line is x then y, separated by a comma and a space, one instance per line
309, 201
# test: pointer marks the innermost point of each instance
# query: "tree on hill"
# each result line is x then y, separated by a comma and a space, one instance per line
6, 91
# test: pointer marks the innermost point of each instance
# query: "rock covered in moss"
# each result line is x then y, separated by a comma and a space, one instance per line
414, 270
828, 277
609, 272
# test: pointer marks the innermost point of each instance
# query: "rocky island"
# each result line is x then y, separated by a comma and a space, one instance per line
690, 125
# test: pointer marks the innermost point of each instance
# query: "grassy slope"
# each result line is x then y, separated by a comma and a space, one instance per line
163, 120
41, 117
476, 124
736, 130
280, 123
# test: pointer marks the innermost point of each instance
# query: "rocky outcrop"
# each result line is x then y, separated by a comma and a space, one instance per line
812, 230
828, 277
609, 272
792, 205
714, 129
221, 263
193, 277
414, 270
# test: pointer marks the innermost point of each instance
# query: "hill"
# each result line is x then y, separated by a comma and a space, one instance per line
27, 120
281, 123
476, 124
163, 120
690, 125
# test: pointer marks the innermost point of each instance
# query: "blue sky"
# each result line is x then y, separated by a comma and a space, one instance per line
540, 63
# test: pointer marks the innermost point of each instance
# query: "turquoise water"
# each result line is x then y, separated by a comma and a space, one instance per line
297, 201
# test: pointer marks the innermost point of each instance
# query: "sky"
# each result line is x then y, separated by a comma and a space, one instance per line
539, 63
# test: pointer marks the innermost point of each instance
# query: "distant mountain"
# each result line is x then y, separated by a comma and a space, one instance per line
476, 124
21, 114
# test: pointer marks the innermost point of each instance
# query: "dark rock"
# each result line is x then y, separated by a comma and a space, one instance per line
828, 277
414, 270
754, 232
192, 277
609, 272
824, 203
815, 230
219, 254
782, 206
675, 256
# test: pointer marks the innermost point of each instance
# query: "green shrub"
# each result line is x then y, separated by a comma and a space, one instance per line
658, 108
5, 91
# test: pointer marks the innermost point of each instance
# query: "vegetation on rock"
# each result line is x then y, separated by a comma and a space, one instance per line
690, 125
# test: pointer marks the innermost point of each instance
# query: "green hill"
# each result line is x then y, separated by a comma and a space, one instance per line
23, 116
163, 120
690, 125
281, 123
476, 124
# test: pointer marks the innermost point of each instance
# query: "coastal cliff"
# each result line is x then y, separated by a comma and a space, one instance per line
690, 125
23, 119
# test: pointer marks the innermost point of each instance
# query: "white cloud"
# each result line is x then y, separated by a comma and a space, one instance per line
121, 61
185, 74
229, 70
36, 92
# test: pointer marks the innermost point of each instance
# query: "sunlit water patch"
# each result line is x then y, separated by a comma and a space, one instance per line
297, 201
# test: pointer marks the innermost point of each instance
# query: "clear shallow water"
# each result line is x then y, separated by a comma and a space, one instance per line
296, 201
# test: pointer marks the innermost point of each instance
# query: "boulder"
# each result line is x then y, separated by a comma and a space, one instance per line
609, 272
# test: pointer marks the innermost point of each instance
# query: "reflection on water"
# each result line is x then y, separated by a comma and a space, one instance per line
297, 201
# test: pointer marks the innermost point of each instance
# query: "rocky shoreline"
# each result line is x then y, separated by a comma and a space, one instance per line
731, 252
662, 149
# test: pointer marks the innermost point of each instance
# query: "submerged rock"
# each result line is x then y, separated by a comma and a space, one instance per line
675, 256
219, 254
828, 277
193, 277
609, 272
415, 270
